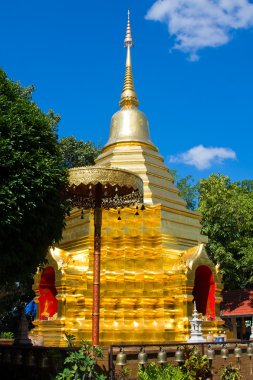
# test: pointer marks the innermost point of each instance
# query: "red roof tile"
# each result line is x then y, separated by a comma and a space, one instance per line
237, 303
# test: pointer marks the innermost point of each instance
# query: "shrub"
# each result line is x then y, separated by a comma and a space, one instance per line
81, 364
6, 335
164, 372
195, 366
230, 372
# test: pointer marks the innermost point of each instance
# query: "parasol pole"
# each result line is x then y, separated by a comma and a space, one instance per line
96, 264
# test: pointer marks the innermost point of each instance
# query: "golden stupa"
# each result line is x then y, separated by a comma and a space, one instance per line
153, 262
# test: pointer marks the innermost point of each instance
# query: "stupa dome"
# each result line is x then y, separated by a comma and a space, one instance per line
129, 124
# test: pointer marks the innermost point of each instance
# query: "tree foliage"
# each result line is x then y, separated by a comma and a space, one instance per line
188, 189
32, 174
227, 220
13, 297
227, 210
77, 152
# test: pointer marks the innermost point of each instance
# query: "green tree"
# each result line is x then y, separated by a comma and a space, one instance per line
188, 189
32, 174
77, 152
227, 210
13, 297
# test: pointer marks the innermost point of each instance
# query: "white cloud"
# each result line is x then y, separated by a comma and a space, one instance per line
203, 158
197, 24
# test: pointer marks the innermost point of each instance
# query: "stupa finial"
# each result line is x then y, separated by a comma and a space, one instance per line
128, 96
128, 41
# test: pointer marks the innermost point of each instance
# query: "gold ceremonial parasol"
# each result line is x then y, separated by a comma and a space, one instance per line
93, 187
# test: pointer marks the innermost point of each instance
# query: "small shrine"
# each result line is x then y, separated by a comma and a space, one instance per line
196, 328
153, 262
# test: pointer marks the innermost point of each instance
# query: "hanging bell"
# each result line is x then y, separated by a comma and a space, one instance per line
31, 361
179, 356
116, 196
142, 357
121, 357
7, 357
210, 353
250, 350
19, 358
161, 356
44, 362
224, 352
237, 351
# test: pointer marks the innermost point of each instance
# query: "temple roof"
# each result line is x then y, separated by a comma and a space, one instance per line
237, 303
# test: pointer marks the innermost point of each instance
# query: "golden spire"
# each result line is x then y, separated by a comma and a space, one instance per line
128, 95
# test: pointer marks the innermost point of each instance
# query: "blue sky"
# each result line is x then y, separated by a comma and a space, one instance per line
192, 65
